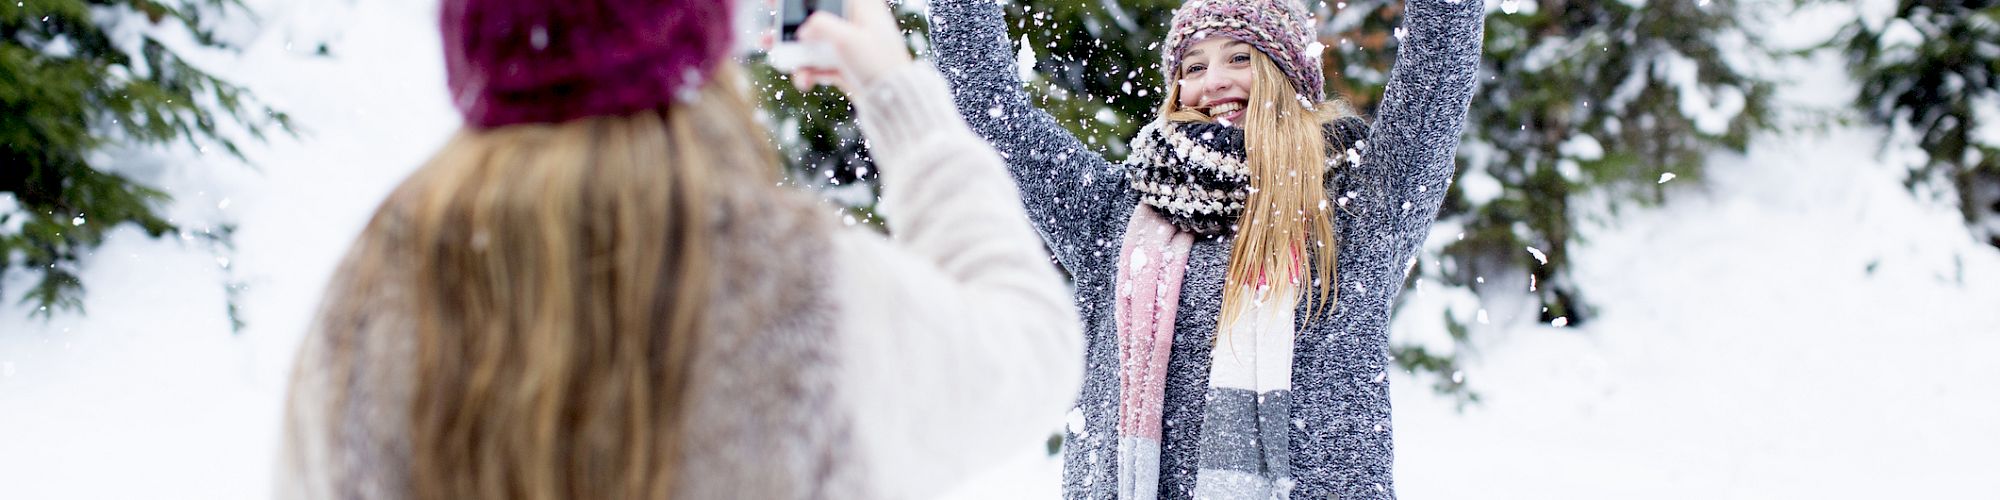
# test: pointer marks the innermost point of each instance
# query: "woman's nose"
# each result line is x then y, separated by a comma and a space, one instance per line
1215, 83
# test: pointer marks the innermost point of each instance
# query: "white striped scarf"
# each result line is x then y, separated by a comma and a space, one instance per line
1244, 435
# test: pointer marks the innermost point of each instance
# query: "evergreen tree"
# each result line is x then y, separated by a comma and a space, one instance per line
1576, 99
1933, 66
78, 77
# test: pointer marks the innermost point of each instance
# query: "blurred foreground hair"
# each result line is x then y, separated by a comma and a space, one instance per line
553, 279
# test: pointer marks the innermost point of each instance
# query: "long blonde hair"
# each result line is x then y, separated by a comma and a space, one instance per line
556, 284
1287, 215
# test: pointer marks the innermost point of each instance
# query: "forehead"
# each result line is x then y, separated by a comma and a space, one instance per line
1212, 44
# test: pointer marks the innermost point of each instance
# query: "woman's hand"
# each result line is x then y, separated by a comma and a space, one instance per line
866, 41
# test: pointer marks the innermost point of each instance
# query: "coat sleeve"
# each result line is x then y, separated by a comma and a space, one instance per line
960, 344
1389, 200
1072, 193
1394, 193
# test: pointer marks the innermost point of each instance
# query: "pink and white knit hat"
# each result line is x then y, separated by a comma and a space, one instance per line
1280, 29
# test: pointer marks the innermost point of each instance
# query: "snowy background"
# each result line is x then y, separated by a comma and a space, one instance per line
1796, 325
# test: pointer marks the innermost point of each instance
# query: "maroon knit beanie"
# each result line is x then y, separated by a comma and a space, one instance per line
1280, 29
548, 61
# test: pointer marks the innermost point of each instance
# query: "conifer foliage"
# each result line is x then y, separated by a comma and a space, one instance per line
78, 78
1931, 68
1577, 101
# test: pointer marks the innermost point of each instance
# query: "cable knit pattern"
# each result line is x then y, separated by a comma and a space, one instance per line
1340, 438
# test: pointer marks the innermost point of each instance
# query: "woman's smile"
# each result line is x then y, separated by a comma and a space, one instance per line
1230, 111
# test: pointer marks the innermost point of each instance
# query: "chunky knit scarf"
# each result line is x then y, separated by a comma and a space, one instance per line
1197, 176
1192, 181
1193, 173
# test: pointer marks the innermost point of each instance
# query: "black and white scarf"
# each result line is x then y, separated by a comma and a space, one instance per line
1197, 176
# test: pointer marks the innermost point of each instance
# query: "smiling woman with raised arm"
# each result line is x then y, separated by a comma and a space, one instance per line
1235, 274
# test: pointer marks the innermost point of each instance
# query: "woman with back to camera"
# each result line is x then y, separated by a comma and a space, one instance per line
1236, 272
597, 290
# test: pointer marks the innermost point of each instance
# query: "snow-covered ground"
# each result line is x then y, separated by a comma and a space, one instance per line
1743, 349
1794, 325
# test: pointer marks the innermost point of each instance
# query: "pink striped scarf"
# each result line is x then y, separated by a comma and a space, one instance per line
1150, 267
1245, 424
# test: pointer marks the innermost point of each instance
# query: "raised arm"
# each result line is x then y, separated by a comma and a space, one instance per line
1389, 201
1072, 194
1395, 192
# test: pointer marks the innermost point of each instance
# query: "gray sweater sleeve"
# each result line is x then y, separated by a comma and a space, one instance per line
1390, 200
1395, 192
1073, 195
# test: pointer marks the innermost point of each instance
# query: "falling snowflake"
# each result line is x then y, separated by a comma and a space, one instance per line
1076, 422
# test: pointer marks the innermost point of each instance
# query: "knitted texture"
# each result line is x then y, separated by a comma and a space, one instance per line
1280, 29
1149, 292
546, 61
1196, 173
1080, 203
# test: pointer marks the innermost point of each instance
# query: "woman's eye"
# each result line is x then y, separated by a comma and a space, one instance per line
1240, 58
1194, 69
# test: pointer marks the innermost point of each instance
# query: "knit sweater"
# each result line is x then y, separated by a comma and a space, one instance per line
1340, 438
958, 343
892, 368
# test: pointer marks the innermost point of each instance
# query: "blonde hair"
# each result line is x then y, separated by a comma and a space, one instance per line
556, 283
1287, 215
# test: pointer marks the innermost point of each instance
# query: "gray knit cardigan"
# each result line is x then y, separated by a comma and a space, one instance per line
1340, 440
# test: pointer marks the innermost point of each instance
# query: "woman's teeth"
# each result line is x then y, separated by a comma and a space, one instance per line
1224, 108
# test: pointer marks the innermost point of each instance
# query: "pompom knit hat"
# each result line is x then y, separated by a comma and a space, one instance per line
549, 61
1280, 29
